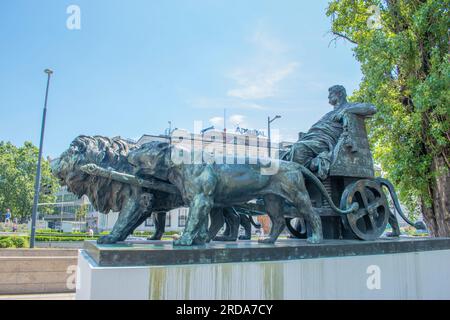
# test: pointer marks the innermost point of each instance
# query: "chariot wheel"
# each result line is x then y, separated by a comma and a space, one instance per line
293, 230
371, 219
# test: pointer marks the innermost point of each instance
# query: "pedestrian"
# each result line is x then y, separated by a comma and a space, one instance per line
14, 228
91, 232
8, 216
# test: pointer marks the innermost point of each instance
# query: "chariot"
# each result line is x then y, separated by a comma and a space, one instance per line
351, 179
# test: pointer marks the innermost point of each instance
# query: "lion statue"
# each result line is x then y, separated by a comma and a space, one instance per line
134, 204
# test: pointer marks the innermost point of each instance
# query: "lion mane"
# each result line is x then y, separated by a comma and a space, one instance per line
104, 194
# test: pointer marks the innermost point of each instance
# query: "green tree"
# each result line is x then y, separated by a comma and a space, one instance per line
17, 174
81, 212
402, 46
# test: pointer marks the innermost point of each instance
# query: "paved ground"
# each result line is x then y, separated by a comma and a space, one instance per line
60, 244
7, 233
44, 296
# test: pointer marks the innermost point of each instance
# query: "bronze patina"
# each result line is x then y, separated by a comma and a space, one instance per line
325, 183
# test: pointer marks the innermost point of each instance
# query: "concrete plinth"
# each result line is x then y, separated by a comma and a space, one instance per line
27, 271
290, 269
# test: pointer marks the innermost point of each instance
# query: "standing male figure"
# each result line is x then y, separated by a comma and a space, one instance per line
323, 136
8, 216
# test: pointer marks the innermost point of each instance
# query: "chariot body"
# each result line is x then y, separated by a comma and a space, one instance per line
351, 179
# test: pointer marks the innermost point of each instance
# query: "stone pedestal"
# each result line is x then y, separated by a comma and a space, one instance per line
290, 269
31, 271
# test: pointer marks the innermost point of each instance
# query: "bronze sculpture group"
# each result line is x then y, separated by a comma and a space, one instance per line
329, 164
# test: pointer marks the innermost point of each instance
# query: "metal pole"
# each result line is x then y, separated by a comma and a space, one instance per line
268, 135
224, 120
224, 140
38, 169
269, 142
62, 209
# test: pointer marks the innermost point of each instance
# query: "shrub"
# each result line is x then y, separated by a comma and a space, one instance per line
14, 242
171, 233
46, 238
6, 243
20, 242
48, 231
142, 233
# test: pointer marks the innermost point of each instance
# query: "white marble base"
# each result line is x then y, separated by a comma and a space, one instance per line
414, 275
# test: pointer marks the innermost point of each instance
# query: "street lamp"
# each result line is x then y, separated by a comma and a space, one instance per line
269, 121
38, 169
170, 128
206, 129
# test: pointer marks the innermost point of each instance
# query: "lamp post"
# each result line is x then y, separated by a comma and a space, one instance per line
269, 121
38, 169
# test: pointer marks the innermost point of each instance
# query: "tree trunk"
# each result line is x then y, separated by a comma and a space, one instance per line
437, 217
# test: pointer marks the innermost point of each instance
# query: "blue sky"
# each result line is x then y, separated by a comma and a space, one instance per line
136, 64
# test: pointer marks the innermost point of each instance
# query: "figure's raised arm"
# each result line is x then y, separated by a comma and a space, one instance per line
362, 109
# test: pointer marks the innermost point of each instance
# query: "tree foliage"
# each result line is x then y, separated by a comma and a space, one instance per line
406, 74
17, 175
81, 212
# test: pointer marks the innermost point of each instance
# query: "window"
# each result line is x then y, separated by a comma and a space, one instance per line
70, 209
182, 217
150, 222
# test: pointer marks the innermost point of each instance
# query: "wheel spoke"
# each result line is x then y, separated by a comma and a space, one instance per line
379, 202
364, 197
359, 214
373, 223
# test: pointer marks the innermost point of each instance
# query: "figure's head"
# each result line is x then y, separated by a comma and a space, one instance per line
337, 95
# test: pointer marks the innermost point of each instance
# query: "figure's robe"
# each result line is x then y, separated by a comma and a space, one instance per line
321, 138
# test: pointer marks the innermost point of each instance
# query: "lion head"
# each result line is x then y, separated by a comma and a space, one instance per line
151, 159
104, 194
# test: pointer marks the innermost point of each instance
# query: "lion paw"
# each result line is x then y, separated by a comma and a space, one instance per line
266, 240
314, 239
393, 234
224, 238
108, 239
199, 241
155, 237
183, 241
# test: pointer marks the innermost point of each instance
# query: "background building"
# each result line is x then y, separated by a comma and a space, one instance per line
69, 213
